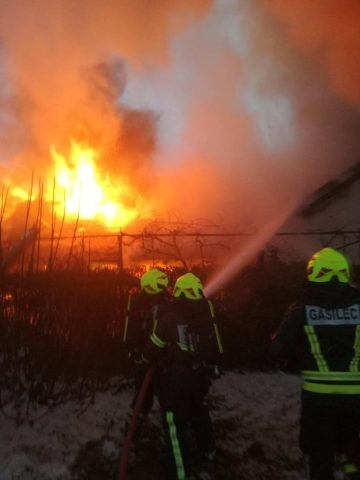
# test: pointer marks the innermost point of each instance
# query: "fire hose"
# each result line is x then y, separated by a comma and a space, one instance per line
132, 425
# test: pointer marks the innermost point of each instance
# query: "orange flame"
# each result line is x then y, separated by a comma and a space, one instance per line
84, 193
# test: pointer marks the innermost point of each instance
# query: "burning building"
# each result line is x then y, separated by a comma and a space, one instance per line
214, 113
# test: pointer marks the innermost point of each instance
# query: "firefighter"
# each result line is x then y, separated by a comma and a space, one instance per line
186, 339
322, 328
142, 306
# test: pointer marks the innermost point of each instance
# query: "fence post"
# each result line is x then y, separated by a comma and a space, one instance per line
120, 252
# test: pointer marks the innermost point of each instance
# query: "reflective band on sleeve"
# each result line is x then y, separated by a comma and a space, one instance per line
315, 348
127, 319
185, 348
154, 312
354, 364
218, 339
180, 471
350, 468
157, 341
346, 464
217, 334
211, 306
332, 389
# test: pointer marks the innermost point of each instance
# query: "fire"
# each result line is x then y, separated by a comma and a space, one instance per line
20, 194
82, 191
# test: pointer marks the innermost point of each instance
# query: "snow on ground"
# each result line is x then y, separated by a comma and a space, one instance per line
255, 419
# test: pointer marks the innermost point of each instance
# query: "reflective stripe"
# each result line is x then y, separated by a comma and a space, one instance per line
217, 334
350, 468
334, 389
155, 325
315, 348
212, 310
182, 346
175, 446
321, 382
351, 387
331, 376
354, 364
154, 317
144, 359
218, 339
127, 318
185, 348
157, 341
346, 464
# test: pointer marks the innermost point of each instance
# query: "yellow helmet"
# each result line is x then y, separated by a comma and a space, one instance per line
154, 281
188, 285
327, 264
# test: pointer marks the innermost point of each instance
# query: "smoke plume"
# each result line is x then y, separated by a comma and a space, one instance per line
64, 65
265, 122
250, 104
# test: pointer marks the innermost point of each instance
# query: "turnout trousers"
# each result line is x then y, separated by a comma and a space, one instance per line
186, 420
329, 429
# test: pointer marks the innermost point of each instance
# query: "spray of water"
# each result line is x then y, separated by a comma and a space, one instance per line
247, 254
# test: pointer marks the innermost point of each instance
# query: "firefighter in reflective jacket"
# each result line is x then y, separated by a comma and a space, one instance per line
186, 339
323, 330
141, 311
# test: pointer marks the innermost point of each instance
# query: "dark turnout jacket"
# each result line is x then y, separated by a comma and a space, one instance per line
140, 316
322, 329
185, 332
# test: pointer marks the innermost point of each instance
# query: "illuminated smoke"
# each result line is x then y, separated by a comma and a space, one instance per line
263, 125
63, 74
237, 104
328, 32
48, 49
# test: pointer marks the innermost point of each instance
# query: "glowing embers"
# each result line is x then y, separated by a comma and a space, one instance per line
82, 191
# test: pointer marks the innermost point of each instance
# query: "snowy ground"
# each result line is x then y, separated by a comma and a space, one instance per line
255, 418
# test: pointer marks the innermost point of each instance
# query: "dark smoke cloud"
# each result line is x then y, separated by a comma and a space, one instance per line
133, 141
